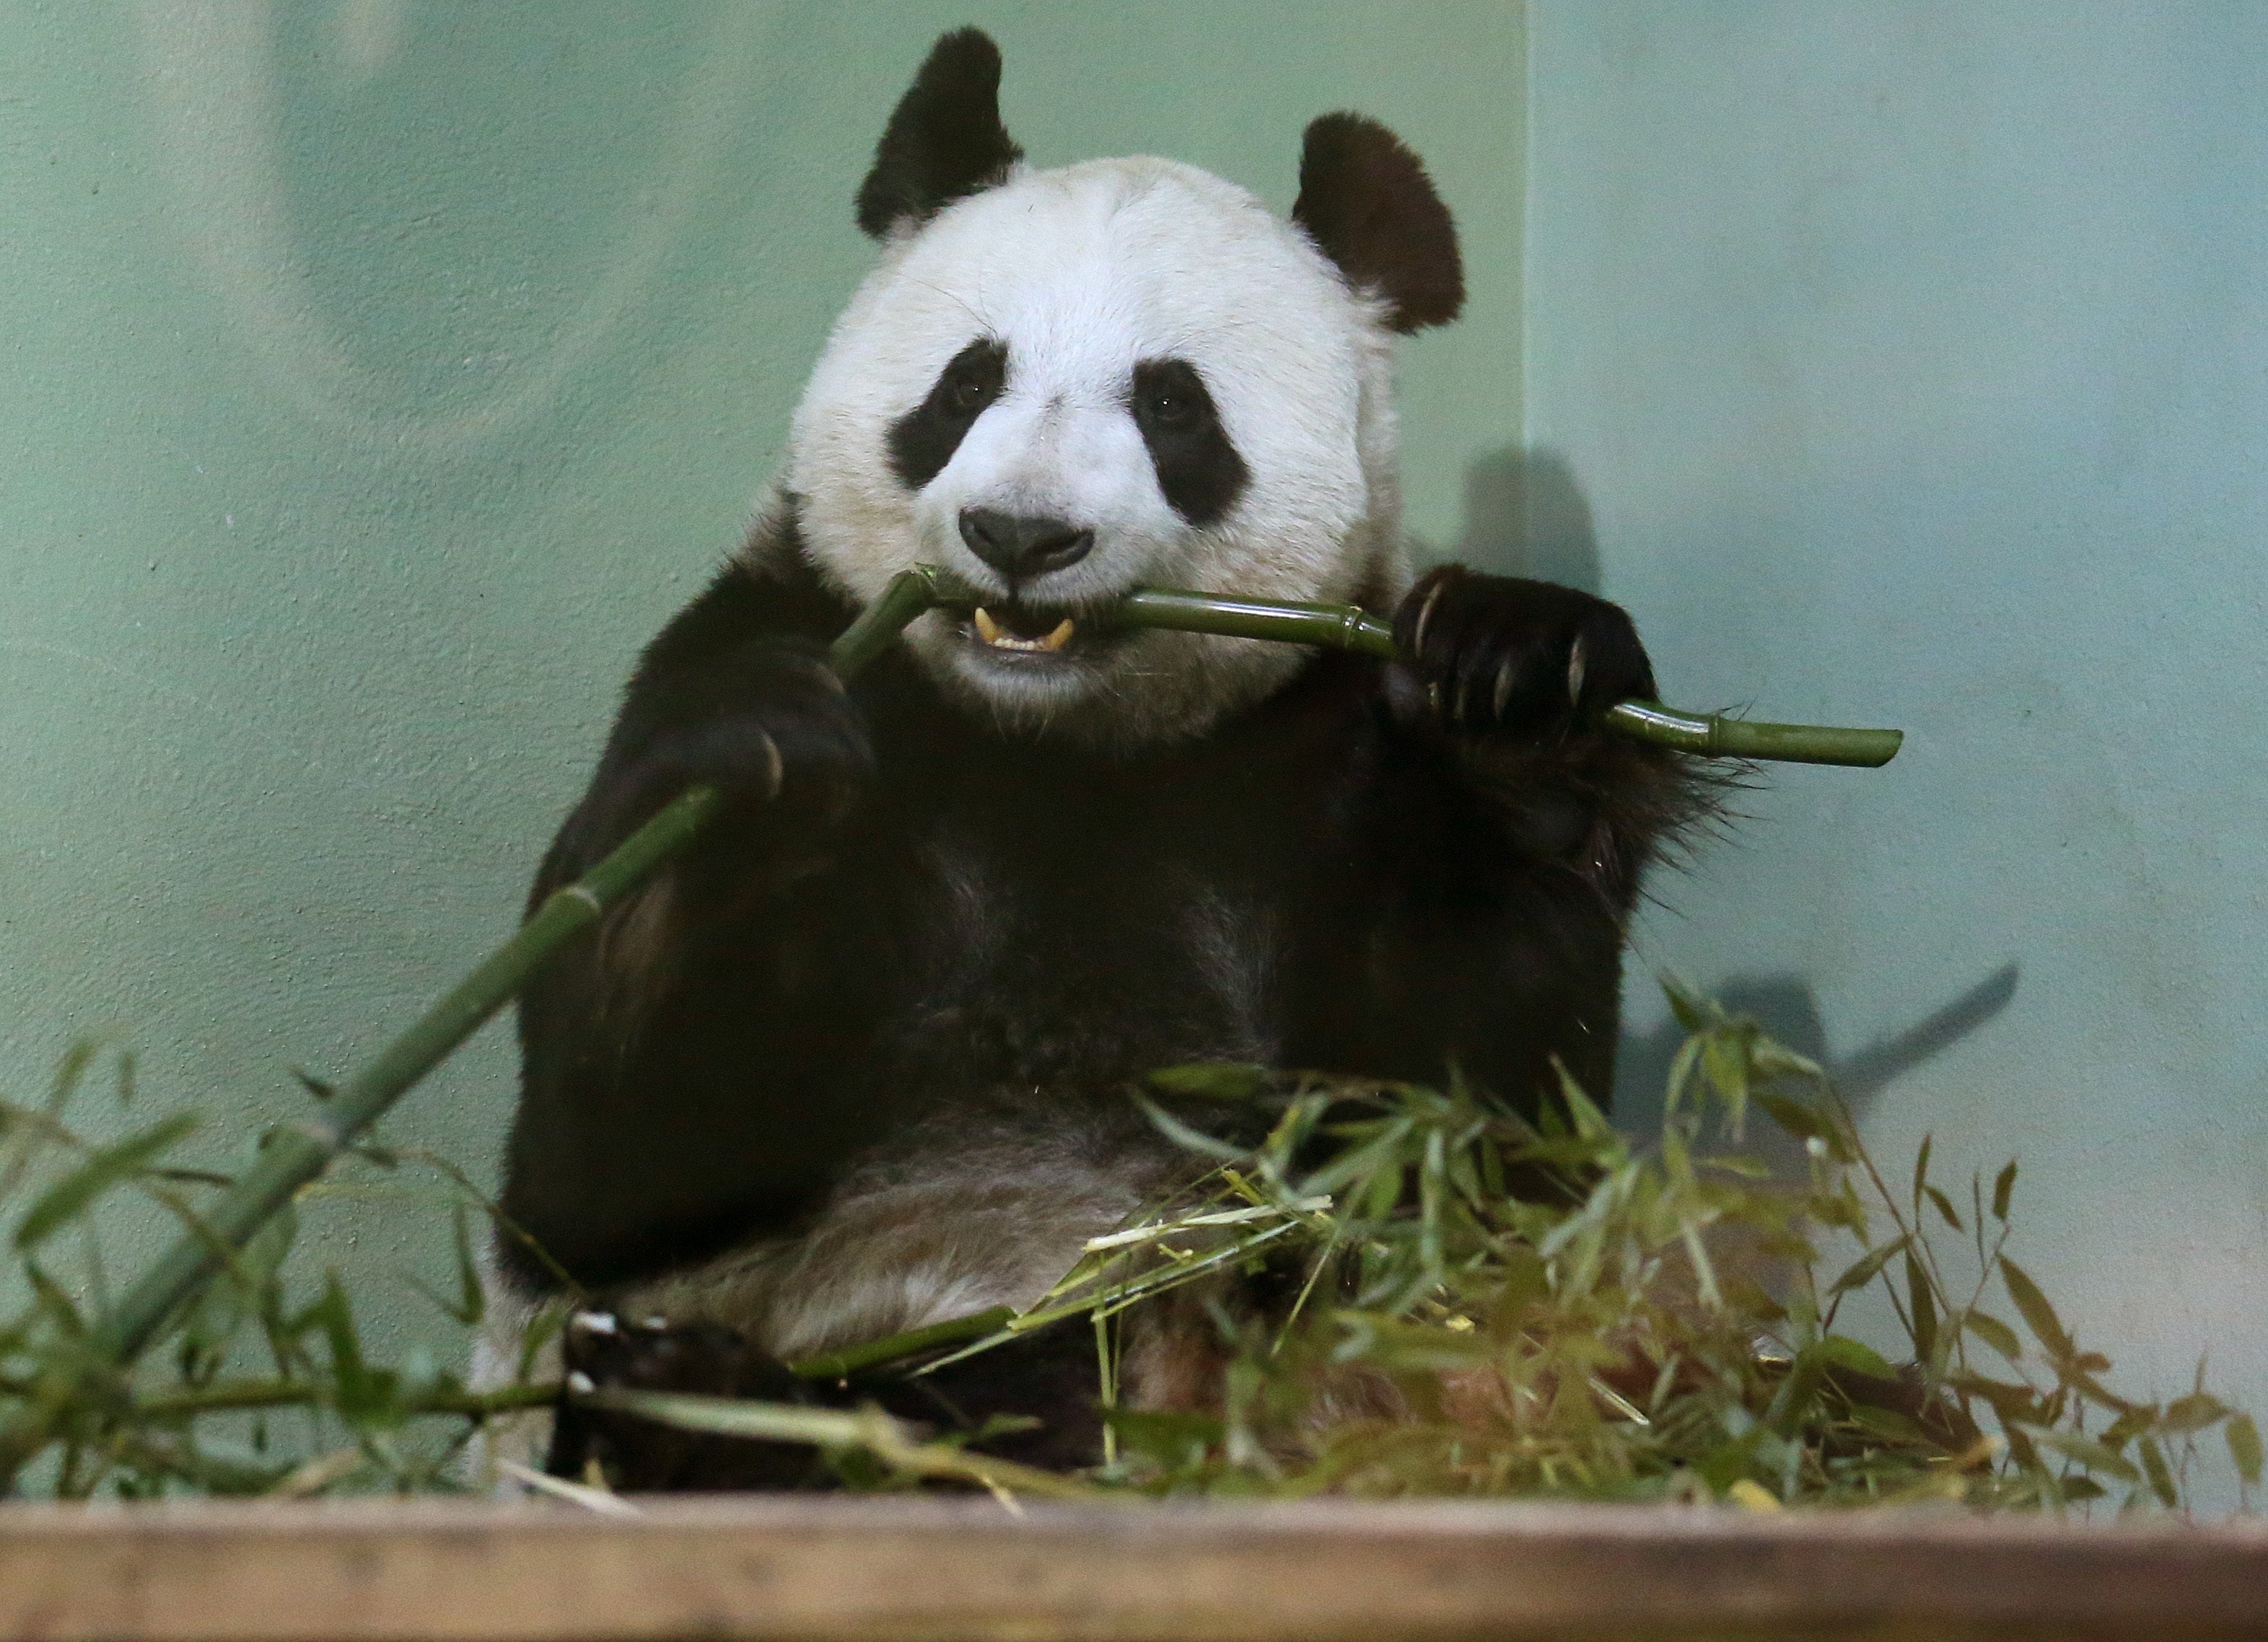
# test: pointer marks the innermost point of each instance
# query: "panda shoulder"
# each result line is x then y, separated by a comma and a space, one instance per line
765, 590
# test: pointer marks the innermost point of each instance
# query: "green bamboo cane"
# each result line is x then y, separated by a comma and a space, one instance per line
295, 1154
1350, 627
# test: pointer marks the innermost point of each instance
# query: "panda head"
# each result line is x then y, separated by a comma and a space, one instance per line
1063, 385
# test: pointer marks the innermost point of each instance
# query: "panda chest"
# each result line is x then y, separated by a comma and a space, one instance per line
1092, 947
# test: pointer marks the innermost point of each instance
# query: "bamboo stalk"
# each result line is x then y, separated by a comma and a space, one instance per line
295, 1154
236, 1395
1350, 627
843, 1364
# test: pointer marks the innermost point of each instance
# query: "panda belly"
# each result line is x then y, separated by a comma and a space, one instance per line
1037, 991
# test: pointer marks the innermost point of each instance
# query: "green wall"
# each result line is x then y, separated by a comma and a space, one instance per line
376, 375
1908, 362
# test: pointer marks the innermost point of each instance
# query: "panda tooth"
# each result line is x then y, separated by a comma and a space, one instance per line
1061, 636
987, 629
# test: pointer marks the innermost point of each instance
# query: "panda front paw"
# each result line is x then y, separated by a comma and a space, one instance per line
772, 729
1500, 655
601, 1351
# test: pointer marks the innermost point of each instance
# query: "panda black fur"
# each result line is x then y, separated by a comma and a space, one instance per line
857, 1062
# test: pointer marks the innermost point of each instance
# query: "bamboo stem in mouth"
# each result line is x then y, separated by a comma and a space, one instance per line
295, 1154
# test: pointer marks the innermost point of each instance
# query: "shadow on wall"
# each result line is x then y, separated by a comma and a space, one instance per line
1526, 516
1786, 1007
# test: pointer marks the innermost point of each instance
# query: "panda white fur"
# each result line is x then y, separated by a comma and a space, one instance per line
857, 1063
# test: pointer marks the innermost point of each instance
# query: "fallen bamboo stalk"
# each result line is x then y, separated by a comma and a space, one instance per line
295, 1154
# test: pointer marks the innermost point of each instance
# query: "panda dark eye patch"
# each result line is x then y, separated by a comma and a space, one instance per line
922, 440
1197, 468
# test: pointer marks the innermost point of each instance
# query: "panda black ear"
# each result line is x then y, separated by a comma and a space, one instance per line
945, 140
1365, 200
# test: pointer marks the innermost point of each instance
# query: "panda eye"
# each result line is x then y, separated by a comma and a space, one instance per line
1168, 396
971, 381
1169, 411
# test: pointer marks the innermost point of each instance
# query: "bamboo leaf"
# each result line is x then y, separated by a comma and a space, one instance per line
1793, 1115
2004, 1184
1691, 1013
1379, 1159
70, 1196
2039, 1316
1842, 1351
2161, 1477
471, 1300
2244, 1448
1187, 1139
1212, 1081
1681, 1074
1921, 1171
1944, 1207
1590, 1122
1725, 1060
1994, 1333
2132, 1424
2012, 1403
1775, 1059
55, 1301
1869, 1266
2087, 1451
2190, 1413
1922, 1301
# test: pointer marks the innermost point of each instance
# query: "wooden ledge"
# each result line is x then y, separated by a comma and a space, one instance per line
919, 1570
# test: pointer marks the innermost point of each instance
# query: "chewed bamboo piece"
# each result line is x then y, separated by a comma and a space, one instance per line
295, 1154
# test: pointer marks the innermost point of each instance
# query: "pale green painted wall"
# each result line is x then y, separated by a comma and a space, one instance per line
376, 375
1912, 360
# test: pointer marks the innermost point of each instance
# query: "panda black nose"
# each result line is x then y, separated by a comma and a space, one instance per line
1016, 545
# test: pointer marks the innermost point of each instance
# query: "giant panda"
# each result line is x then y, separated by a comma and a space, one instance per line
857, 1062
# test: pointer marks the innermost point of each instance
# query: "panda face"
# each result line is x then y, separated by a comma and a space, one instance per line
1118, 374
1060, 385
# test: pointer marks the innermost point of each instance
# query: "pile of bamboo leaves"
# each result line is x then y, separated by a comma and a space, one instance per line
1478, 1306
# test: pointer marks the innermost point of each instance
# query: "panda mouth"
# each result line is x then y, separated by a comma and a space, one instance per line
1021, 631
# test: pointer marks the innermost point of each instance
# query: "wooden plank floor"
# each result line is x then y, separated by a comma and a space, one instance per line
915, 1570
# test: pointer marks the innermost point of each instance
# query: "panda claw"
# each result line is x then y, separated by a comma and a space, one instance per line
1425, 615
